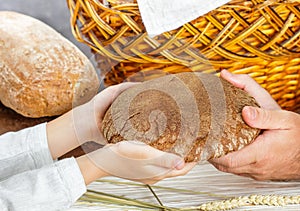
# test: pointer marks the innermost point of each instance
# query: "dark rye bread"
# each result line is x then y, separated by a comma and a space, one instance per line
194, 115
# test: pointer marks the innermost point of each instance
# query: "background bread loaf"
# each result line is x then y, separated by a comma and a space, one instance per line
41, 72
195, 115
12, 121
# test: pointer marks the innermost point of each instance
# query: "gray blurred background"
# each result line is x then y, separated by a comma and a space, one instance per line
52, 12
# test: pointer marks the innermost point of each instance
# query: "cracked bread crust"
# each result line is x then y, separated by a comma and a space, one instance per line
194, 115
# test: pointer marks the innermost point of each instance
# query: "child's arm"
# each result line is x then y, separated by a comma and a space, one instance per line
34, 147
83, 123
53, 187
23, 150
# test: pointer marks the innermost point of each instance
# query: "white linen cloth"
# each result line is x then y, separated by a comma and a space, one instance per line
30, 179
164, 15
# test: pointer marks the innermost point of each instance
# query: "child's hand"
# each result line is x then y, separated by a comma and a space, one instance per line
134, 161
81, 124
87, 118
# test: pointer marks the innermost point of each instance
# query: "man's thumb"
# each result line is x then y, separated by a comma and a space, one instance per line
267, 119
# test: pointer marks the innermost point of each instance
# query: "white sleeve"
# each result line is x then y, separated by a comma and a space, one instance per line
53, 187
24, 150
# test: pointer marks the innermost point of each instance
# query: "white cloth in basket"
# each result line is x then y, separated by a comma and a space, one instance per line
164, 15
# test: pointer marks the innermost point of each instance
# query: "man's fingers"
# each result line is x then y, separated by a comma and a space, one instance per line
245, 82
268, 119
243, 157
234, 79
239, 170
248, 84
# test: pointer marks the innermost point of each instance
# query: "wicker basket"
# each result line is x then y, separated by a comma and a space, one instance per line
256, 37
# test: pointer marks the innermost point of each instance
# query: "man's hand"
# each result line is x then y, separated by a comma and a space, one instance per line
275, 154
248, 84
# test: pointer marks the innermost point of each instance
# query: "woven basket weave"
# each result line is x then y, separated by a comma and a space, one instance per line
256, 37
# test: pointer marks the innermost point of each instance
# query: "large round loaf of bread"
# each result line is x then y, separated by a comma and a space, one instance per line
41, 72
194, 115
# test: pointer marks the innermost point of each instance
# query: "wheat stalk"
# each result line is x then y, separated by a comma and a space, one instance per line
252, 200
173, 189
228, 204
219, 202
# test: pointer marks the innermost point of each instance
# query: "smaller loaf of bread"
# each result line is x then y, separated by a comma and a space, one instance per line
195, 115
41, 72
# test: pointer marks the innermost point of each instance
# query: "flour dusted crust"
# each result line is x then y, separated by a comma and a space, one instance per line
41, 72
194, 115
